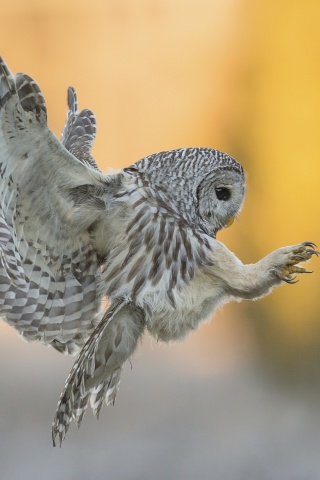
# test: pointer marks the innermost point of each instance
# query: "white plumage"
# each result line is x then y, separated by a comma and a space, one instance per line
144, 239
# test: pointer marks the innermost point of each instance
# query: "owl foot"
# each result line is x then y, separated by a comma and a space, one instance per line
297, 254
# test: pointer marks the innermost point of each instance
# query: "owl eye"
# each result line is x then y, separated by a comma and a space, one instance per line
223, 193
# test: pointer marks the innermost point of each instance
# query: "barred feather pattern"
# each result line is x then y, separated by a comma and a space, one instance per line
161, 253
79, 131
95, 376
71, 237
48, 275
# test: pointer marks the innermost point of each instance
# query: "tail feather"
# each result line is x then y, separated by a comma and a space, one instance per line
95, 376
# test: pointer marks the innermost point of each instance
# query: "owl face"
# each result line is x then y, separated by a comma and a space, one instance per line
203, 186
220, 196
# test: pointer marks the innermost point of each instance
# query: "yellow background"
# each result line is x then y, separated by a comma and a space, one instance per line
238, 75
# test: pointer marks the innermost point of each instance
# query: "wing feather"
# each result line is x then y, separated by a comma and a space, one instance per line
79, 131
48, 267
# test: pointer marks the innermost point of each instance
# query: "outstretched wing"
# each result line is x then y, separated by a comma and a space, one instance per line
48, 268
79, 131
95, 376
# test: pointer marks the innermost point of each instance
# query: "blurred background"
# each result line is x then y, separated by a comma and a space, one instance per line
240, 398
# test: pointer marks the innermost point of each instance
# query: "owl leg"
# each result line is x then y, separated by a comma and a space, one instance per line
301, 253
256, 280
95, 376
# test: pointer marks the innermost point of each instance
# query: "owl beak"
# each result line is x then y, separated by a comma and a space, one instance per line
229, 222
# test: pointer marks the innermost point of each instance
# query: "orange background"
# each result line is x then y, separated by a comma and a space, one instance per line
237, 75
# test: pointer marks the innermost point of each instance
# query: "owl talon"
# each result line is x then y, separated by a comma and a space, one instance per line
313, 252
298, 254
309, 244
303, 254
290, 280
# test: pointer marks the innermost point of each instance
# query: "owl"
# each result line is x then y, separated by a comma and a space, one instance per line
89, 261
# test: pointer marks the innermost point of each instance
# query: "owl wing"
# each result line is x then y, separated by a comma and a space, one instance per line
79, 131
48, 268
95, 376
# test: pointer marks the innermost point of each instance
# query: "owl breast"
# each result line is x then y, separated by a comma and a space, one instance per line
157, 260
195, 304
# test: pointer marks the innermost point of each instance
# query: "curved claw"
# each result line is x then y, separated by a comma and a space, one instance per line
290, 280
309, 244
313, 252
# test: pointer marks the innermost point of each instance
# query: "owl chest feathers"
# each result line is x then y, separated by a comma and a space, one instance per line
156, 259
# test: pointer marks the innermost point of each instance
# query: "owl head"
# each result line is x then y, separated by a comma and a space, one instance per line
203, 186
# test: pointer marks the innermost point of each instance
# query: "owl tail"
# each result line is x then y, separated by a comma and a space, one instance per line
95, 376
